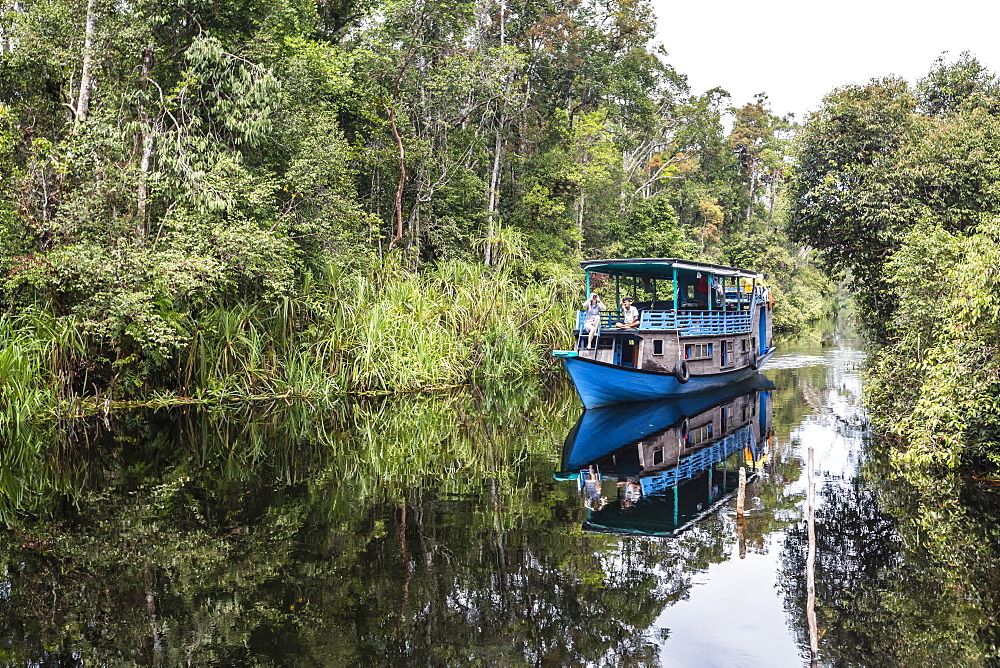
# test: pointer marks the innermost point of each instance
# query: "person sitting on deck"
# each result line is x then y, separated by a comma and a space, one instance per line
592, 317
630, 315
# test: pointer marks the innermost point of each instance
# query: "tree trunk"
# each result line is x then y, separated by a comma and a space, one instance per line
402, 176
83, 100
503, 23
491, 202
774, 195
753, 185
147, 144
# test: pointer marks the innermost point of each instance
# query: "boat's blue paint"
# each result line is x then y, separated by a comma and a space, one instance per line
762, 328
686, 323
603, 384
601, 431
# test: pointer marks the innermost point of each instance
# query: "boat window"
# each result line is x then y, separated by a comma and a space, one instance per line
657, 346
690, 292
698, 351
701, 433
746, 344
657, 456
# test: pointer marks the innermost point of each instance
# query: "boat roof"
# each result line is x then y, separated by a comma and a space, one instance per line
660, 267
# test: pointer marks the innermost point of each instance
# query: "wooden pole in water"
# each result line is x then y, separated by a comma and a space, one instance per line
740, 499
741, 495
741, 536
811, 562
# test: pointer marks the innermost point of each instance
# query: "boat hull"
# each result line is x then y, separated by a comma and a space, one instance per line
603, 384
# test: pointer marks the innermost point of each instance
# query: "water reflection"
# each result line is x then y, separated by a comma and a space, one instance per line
429, 530
667, 463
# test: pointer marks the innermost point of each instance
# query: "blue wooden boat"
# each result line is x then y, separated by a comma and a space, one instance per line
657, 468
701, 327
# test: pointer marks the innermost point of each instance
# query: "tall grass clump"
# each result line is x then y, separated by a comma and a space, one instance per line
372, 330
40, 360
455, 323
379, 331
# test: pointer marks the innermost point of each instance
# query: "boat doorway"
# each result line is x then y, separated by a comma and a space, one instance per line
627, 351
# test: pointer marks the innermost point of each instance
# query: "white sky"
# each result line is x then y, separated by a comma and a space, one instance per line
797, 51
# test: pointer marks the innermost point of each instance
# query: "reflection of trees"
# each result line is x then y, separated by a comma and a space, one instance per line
906, 575
856, 558
414, 530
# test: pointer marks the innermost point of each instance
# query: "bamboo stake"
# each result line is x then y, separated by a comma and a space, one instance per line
740, 520
741, 496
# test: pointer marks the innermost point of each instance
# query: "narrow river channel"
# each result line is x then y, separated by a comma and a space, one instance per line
493, 527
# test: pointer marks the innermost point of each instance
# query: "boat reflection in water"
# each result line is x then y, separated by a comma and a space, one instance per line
655, 468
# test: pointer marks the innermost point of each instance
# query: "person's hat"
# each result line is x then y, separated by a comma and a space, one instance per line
627, 299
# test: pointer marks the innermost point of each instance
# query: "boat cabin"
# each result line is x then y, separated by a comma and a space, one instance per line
712, 317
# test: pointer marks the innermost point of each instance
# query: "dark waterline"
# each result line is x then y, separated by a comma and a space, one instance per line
436, 530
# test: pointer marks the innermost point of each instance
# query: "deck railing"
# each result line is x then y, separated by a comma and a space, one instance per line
697, 323
608, 319
686, 323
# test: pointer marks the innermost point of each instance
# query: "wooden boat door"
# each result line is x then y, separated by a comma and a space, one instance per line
627, 351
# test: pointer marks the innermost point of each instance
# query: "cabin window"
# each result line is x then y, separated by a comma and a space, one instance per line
657, 456
747, 412
746, 344
657, 346
698, 351
727, 418
690, 292
700, 434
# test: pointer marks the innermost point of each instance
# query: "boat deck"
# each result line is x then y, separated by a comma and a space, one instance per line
685, 323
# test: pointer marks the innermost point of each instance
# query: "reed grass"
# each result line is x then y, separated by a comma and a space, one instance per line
40, 358
376, 331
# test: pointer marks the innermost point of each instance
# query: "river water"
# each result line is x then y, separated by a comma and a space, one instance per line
495, 527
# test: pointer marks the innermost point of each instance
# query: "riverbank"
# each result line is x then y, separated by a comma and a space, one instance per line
376, 332
364, 330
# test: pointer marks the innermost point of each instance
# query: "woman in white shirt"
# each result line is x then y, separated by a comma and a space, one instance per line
592, 317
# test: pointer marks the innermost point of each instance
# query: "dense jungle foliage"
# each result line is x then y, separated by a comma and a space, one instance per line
290, 198
897, 186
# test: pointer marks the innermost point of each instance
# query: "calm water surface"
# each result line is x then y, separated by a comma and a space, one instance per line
477, 529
